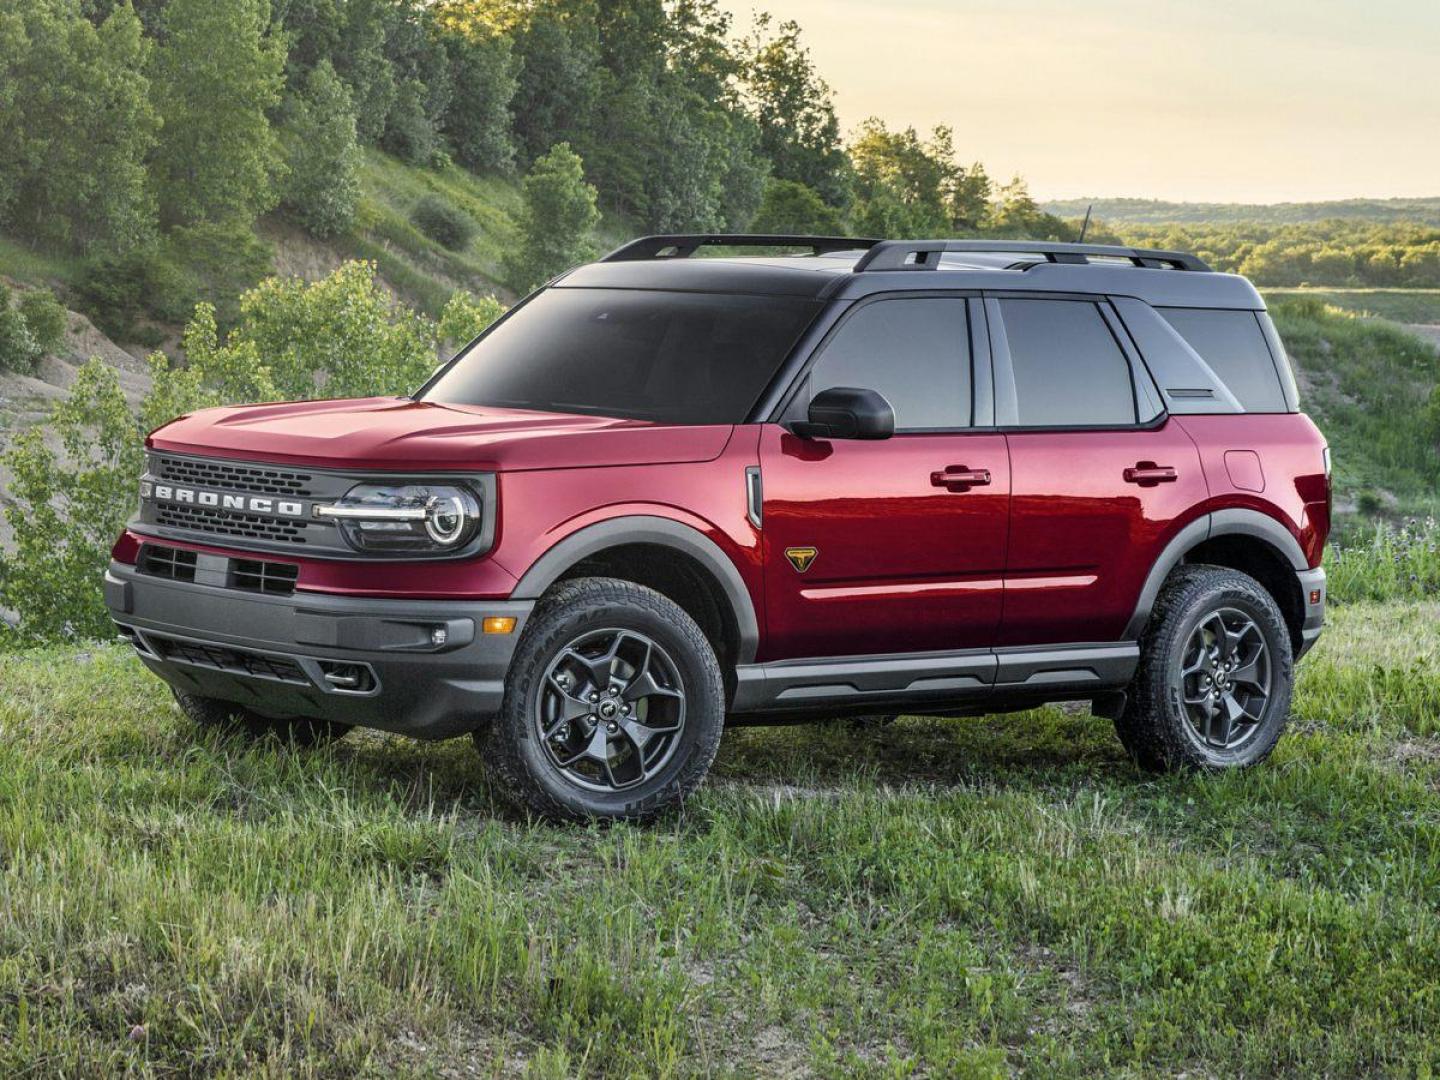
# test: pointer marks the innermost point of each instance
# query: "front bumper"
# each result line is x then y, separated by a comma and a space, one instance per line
1312, 600
347, 659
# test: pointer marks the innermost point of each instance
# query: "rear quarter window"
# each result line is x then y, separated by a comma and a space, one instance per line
1233, 344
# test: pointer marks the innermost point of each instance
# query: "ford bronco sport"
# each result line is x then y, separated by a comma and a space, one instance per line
669, 492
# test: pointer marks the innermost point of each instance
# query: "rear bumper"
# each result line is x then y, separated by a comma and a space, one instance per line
294, 655
1312, 598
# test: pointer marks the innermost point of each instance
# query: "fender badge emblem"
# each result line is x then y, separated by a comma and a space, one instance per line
801, 557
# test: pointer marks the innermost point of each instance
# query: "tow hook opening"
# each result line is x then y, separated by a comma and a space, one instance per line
348, 677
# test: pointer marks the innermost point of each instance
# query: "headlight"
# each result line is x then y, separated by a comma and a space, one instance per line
419, 518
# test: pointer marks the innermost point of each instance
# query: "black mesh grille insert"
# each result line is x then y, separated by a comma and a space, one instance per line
253, 575
229, 523
236, 661
166, 562
255, 479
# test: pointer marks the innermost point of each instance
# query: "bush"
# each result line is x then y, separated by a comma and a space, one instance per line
447, 225
18, 348
556, 221
68, 506
45, 318
465, 317
324, 157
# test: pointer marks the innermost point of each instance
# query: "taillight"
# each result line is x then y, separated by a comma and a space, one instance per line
1329, 483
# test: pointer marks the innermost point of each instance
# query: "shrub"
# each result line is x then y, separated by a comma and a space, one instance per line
447, 225
324, 156
18, 348
556, 221
465, 317
69, 505
45, 318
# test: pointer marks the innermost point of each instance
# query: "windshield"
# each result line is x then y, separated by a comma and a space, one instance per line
670, 357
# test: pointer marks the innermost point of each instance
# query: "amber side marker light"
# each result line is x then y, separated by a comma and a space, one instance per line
499, 624
1314, 596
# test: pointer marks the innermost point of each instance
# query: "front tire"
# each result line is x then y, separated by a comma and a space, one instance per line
1216, 673
229, 719
613, 708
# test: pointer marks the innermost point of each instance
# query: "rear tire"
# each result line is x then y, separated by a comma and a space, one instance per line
231, 720
1216, 672
613, 710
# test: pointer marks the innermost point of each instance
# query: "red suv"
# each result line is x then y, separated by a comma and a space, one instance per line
667, 492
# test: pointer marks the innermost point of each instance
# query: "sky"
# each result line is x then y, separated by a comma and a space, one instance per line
1196, 100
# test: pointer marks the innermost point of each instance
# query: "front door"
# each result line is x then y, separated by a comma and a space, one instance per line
896, 545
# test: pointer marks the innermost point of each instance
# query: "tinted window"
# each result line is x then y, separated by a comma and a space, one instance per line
1069, 371
1233, 344
675, 358
915, 352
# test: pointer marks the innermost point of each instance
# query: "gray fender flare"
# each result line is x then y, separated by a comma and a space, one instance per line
641, 529
1232, 522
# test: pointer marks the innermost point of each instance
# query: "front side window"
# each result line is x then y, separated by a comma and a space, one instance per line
1069, 370
915, 352
668, 357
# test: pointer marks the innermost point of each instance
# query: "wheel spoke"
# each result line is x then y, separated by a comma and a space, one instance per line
1250, 675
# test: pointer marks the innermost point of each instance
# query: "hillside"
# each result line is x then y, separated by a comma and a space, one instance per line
1160, 212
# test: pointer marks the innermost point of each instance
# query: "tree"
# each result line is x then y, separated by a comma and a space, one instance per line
477, 122
75, 126
324, 157
218, 75
793, 208
799, 131
558, 79
902, 182
556, 220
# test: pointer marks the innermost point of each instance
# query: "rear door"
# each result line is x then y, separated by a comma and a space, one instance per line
896, 545
1101, 478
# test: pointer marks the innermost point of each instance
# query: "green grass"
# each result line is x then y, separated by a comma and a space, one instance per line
1397, 305
941, 897
1368, 385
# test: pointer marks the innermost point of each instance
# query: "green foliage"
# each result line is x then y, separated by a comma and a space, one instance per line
341, 335
794, 106
447, 225
478, 120
1366, 384
1386, 563
791, 207
210, 263
45, 318
1334, 253
465, 317
216, 77
69, 505
556, 222
19, 351
76, 125
324, 157
410, 131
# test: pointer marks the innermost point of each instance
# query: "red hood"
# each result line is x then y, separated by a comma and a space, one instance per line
402, 435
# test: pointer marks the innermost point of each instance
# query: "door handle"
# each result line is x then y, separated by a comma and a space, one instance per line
959, 478
1148, 474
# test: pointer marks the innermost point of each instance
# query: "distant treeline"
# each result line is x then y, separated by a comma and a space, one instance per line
1159, 212
1331, 253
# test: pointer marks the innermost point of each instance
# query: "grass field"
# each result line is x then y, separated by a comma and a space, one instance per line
942, 897
1397, 305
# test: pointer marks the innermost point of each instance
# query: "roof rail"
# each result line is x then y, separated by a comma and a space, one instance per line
925, 254
682, 246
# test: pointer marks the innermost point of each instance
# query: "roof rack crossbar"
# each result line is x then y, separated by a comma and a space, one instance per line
925, 254
682, 246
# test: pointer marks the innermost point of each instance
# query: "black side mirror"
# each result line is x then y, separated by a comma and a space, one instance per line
846, 412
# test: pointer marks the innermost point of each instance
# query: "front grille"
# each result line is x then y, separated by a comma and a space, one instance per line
229, 523
223, 658
166, 562
252, 479
272, 578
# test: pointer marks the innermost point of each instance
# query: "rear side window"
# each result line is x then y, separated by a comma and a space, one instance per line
915, 352
1233, 344
1069, 369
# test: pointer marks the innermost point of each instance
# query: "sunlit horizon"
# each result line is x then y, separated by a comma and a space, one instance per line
1163, 99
